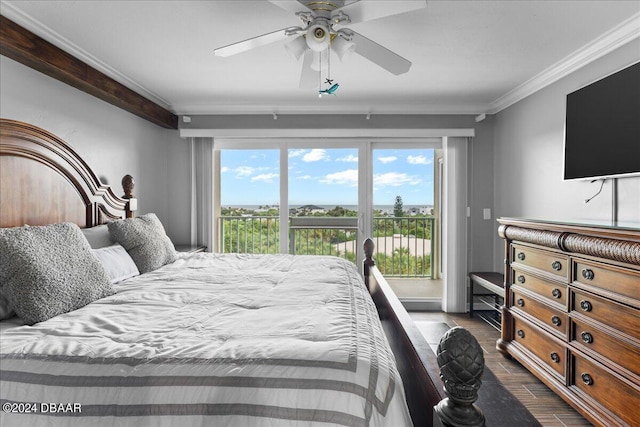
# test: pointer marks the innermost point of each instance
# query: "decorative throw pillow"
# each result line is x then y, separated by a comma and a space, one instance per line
117, 262
98, 236
145, 240
49, 270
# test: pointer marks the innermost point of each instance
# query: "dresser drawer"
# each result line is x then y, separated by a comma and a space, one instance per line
555, 320
620, 317
620, 351
611, 391
550, 352
548, 262
554, 292
616, 280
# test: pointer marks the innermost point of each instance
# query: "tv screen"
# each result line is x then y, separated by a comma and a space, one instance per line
602, 128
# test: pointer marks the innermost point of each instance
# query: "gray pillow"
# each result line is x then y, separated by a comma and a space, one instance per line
49, 270
6, 312
145, 240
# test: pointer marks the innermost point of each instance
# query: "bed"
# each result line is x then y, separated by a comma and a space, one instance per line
190, 339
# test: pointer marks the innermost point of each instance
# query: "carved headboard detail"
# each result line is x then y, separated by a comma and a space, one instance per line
44, 181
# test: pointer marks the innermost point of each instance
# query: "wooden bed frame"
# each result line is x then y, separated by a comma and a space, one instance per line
44, 181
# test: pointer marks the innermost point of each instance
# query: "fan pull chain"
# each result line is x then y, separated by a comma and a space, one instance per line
329, 64
320, 75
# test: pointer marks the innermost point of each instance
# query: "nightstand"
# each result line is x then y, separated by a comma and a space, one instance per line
191, 249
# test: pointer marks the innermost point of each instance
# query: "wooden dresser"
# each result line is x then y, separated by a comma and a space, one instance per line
572, 313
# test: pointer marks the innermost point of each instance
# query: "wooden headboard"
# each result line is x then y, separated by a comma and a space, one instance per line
44, 181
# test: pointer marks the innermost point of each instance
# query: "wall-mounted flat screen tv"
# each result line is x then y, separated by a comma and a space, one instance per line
602, 128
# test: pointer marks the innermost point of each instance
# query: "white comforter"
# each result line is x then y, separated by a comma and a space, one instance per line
217, 340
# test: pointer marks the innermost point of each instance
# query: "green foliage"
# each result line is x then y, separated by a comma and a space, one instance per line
403, 264
398, 210
248, 231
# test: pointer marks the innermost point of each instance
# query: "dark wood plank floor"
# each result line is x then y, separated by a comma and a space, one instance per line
549, 409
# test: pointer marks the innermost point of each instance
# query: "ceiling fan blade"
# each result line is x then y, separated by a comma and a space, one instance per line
254, 42
309, 77
361, 11
290, 6
380, 55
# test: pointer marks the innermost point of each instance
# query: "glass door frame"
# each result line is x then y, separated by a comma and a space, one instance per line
365, 148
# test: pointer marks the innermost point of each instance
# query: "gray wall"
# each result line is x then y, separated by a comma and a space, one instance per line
528, 157
112, 141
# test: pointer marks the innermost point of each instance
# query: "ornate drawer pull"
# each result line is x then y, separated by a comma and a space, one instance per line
587, 338
585, 305
556, 293
521, 279
520, 302
521, 256
555, 357
556, 320
588, 274
586, 378
556, 265
520, 333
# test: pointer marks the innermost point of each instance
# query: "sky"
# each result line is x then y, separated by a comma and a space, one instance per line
325, 177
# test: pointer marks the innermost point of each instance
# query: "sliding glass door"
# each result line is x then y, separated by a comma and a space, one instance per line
404, 219
249, 220
323, 201
325, 197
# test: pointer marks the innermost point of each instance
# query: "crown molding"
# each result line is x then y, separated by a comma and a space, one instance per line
19, 17
618, 36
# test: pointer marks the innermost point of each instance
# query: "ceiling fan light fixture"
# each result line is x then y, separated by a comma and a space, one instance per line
320, 61
318, 36
296, 47
343, 48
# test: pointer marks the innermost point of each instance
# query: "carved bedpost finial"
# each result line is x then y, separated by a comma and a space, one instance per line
461, 364
132, 202
368, 259
127, 186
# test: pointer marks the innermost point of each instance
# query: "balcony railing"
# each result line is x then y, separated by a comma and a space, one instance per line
404, 246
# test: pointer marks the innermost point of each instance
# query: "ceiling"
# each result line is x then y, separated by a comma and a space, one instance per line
469, 57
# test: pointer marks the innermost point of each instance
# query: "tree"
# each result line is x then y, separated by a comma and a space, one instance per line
398, 211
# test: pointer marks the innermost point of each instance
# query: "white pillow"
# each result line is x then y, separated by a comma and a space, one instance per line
98, 236
117, 262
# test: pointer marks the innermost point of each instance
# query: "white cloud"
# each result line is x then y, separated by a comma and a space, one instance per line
315, 155
296, 153
304, 177
347, 177
265, 177
224, 169
418, 160
349, 158
387, 159
242, 171
394, 179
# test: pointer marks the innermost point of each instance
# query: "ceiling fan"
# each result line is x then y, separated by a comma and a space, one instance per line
324, 30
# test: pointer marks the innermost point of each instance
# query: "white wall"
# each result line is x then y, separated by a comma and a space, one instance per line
528, 157
112, 141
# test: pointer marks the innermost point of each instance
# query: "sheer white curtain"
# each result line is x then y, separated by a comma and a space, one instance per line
201, 150
454, 224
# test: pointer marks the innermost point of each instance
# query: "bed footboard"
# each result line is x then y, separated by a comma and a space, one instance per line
417, 364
